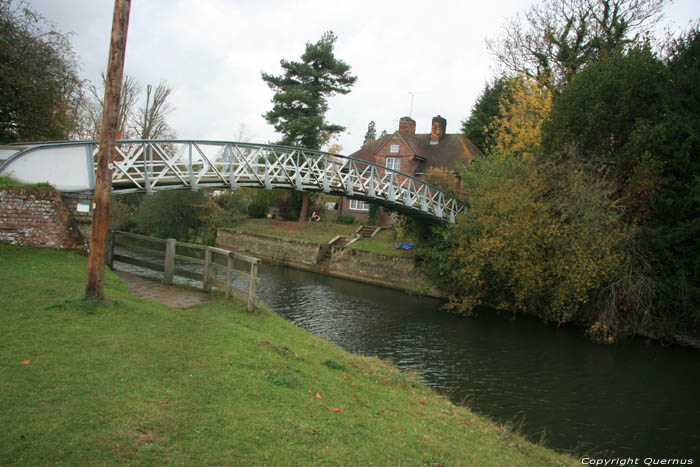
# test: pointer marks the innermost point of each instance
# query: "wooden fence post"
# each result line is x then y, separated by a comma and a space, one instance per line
207, 269
229, 274
169, 266
251, 287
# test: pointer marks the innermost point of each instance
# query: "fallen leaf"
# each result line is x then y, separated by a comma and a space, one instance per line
318, 396
346, 377
464, 422
422, 401
25, 362
334, 409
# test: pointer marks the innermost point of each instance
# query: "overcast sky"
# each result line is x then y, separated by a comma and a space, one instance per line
211, 53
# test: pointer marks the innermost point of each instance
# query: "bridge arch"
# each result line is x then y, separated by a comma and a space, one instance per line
150, 165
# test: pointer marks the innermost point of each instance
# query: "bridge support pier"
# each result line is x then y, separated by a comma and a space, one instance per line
304, 211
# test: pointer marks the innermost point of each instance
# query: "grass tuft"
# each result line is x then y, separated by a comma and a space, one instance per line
333, 365
10, 183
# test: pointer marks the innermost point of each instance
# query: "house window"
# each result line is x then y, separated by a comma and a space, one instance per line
393, 163
394, 149
357, 205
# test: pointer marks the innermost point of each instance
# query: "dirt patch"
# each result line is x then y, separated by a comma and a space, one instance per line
170, 295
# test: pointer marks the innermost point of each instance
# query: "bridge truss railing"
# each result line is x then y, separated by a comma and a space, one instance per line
149, 165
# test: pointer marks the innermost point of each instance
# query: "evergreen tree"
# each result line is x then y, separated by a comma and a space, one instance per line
302, 91
485, 110
371, 134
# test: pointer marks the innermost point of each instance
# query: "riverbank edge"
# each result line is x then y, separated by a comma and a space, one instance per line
398, 273
269, 336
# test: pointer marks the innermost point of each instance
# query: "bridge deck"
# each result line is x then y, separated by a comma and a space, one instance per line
150, 165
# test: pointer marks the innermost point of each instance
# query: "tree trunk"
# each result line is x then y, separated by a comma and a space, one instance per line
304, 212
94, 288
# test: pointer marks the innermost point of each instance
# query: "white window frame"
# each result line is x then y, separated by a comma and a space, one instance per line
394, 149
357, 205
393, 163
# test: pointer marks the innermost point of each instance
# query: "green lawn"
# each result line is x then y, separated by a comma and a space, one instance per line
136, 382
382, 243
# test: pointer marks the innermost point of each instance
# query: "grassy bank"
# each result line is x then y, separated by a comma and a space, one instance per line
383, 243
321, 232
138, 382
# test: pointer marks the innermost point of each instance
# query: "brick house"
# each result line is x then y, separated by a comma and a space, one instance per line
414, 154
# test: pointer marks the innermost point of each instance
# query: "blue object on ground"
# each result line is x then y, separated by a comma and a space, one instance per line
407, 246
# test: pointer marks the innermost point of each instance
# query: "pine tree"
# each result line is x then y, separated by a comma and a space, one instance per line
371, 134
302, 91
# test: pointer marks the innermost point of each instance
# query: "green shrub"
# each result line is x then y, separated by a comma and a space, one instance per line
257, 209
346, 219
373, 213
172, 214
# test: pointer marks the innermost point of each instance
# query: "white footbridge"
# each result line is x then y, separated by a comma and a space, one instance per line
150, 165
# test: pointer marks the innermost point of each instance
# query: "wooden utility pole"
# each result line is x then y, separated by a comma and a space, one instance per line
94, 288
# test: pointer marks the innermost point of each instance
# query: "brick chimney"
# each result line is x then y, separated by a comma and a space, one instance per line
407, 125
437, 131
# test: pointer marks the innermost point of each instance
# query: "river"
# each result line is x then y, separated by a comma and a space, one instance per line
630, 399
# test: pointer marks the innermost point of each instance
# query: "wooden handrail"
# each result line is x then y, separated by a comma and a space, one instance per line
207, 278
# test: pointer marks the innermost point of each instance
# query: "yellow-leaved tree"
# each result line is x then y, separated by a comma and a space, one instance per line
524, 110
538, 238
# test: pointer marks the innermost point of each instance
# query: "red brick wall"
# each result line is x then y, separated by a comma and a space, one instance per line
37, 218
408, 162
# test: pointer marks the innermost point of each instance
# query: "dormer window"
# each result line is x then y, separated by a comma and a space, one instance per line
394, 149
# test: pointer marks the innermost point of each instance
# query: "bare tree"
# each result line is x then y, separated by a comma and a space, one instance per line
92, 109
241, 135
557, 38
152, 120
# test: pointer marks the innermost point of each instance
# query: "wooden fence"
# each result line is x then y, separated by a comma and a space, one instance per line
170, 250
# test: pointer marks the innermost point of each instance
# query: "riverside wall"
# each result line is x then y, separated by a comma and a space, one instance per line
396, 272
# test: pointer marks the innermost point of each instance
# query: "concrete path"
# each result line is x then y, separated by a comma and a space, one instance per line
171, 295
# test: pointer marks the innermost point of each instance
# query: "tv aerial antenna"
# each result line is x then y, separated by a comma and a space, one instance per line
412, 93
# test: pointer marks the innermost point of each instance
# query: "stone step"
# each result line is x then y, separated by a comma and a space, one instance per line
367, 231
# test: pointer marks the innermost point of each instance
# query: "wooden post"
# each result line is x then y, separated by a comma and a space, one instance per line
169, 265
94, 287
251, 287
110, 250
229, 275
207, 269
